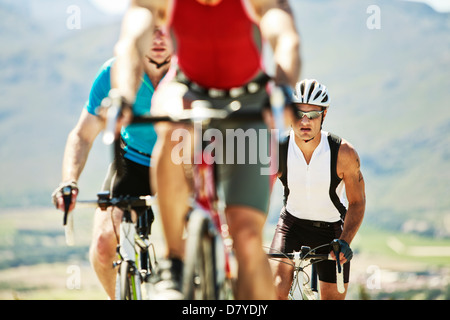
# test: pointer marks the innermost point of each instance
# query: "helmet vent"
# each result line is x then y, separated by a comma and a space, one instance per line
311, 89
318, 94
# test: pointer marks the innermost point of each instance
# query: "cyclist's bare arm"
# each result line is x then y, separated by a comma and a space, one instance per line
79, 143
278, 28
349, 169
135, 39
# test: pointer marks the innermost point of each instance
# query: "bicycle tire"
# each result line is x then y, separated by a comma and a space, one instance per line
130, 284
199, 280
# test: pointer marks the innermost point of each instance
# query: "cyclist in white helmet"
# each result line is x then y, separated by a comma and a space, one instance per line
315, 166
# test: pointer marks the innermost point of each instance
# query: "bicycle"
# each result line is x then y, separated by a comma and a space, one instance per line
299, 289
134, 248
208, 272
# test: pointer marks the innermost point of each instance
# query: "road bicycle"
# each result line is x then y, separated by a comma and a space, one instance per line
136, 254
304, 285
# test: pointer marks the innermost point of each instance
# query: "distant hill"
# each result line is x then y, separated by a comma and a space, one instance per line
47, 71
389, 90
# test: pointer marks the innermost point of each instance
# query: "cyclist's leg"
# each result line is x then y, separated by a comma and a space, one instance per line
172, 189
328, 291
289, 237
283, 277
102, 252
169, 182
246, 194
284, 241
326, 270
254, 274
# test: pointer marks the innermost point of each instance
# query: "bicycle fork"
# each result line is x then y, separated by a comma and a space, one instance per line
299, 291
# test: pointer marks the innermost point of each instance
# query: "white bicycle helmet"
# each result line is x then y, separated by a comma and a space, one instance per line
310, 91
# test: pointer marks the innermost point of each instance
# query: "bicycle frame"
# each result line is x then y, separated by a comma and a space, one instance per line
207, 201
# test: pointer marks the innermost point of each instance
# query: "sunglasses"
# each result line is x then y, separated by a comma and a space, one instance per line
310, 114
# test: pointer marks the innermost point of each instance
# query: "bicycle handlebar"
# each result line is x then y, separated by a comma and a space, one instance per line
306, 253
299, 255
103, 201
201, 111
124, 202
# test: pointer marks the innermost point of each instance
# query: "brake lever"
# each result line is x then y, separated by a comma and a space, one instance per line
337, 250
68, 220
339, 274
67, 197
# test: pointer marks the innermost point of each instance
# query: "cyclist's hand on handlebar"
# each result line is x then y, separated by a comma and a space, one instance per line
345, 252
62, 193
125, 116
280, 116
117, 113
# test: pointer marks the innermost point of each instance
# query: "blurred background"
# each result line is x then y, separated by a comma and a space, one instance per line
386, 64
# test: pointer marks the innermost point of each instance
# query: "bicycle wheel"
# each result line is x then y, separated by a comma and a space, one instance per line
130, 284
199, 280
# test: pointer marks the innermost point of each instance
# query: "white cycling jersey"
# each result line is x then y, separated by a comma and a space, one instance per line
309, 184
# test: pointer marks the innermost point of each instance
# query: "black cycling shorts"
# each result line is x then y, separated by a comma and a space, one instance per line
292, 233
126, 177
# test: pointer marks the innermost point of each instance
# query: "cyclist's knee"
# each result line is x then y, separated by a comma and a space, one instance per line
248, 246
282, 279
245, 222
103, 247
247, 241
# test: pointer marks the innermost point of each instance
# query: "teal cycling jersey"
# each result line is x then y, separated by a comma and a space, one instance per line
139, 139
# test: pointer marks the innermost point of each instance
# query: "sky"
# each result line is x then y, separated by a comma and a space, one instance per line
438, 5
111, 6
119, 6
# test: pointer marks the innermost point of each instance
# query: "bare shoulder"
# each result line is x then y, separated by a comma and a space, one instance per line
347, 152
348, 159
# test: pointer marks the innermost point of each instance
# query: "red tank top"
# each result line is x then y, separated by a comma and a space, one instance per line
216, 45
